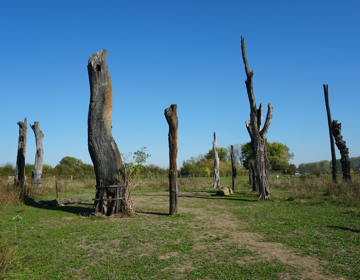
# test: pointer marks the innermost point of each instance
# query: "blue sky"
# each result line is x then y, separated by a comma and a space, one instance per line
179, 52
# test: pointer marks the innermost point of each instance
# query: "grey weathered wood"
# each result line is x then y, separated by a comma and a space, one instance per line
20, 160
257, 134
332, 146
36, 173
344, 151
216, 164
103, 150
60, 201
172, 119
234, 171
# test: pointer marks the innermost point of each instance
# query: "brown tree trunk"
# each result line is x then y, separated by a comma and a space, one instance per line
172, 120
344, 151
103, 150
216, 164
332, 146
234, 171
36, 174
257, 135
20, 160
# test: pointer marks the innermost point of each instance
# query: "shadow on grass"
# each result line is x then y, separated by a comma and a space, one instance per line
152, 213
72, 208
344, 228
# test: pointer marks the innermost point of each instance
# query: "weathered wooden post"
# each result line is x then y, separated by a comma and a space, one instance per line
104, 153
20, 160
36, 173
344, 151
257, 135
234, 171
216, 164
172, 119
332, 146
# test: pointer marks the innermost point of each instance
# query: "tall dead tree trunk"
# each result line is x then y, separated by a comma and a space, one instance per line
216, 164
257, 135
333, 156
20, 160
172, 120
234, 171
344, 151
103, 150
36, 173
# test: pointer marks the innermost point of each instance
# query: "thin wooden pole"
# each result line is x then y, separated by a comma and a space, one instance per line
333, 156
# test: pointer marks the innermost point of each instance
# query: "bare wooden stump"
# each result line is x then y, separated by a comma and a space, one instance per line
36, 174
257, 135
234, 171
20, 160
103, 150
344, 151
172, 120
332, 146
216, 164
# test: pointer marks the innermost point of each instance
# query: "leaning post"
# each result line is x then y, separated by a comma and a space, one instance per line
36, 173
172, 119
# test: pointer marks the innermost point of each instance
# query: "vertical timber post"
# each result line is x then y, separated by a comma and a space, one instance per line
172, 119
103, 150
216, 164
344, 151
20, 160
234, 171
36, 174
332, 146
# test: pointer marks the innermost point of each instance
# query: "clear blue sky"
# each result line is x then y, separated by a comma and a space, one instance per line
179, 52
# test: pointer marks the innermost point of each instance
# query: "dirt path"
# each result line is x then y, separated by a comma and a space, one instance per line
269, 251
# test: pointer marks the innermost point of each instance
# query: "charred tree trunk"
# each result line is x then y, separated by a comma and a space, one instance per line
103, 150
20, 160
36, 174
252, 178
216, 164
257, 135
333, 156
172, 120
344, 151
234, 171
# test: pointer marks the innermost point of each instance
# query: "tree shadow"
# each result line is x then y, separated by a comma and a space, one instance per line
151, 213
344, 228
79, 208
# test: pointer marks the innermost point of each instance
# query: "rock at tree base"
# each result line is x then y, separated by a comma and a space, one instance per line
224, 191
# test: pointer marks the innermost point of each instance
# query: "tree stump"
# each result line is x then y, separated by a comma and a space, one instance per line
20, 160
171, 118
344, 151
216, 164
36, 173
257, 135
103, 150
234, 171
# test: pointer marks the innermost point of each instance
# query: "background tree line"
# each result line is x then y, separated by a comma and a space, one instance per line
70, 166
325, 166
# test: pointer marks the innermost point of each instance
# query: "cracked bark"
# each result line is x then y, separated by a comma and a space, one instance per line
344, 151
216, 164
20, 160
234, 171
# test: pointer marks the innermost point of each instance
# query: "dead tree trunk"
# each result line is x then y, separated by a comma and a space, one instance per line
20, 160
103, 150
216, 164
36, 174
333, 156
344, 151
252, 178
257, 135
172, 120
234, 171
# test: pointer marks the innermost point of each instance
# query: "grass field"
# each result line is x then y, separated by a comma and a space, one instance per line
307, 230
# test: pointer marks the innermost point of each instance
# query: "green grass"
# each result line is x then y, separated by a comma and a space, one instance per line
66, 243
